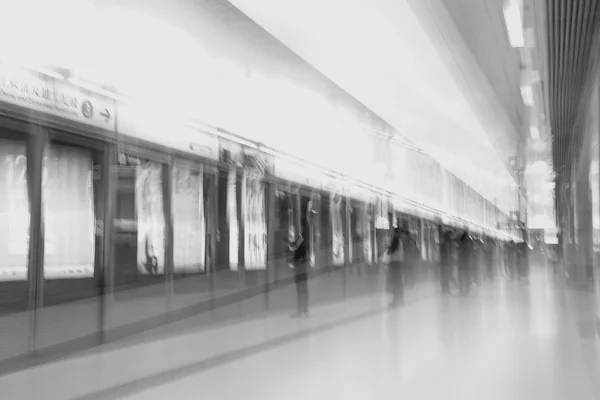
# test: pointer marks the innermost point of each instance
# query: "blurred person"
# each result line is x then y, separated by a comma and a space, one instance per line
552, 259
509, 259
491, 258
464, 263
411, 257
300, 262
394, 258
523, 260
446, 260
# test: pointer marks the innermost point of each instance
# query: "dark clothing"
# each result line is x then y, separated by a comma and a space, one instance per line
410, 259
395, 285
464, 265
446, 265
301, 277
523, 251
397, 254
491, 260
300, 253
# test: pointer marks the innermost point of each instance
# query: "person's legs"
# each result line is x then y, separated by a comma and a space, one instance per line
465, 279
303, 295
463, 282
300, 280
395, 283
303, 288
445, 277
298, 296
399, 285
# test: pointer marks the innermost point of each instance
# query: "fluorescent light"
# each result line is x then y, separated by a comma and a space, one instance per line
513, 17
527, 94
535, 132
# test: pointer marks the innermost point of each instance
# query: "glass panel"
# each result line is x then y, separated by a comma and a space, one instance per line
190, 187
255, 224
14, 247
232, 220
68, 194
365, 232
312, 216
150, 219
189, 227
14, 212
326, 237
337, 214
71, 302
139, 243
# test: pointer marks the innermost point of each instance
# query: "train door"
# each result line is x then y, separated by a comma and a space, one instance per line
142, 236
73, 200
192, 223
17, 281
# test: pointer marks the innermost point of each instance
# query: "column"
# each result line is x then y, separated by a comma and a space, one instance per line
584, 244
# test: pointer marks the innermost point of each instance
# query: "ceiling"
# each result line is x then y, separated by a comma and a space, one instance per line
481, 24
440, 72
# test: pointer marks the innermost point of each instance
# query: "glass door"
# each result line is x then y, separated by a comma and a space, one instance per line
140, 228
73, 199
190, 188
15, 205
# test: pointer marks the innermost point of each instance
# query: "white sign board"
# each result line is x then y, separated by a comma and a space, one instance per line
56, 97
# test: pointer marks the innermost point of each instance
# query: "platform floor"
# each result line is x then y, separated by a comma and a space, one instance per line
506, 340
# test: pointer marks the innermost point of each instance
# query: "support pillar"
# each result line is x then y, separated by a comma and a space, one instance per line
584, 247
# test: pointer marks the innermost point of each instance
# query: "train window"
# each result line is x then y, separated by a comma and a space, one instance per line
189, 225
14, 211
337, 226
70, 207
254, 219
69, 215
232, 219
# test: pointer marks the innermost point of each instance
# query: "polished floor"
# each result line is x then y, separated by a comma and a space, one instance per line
506, 340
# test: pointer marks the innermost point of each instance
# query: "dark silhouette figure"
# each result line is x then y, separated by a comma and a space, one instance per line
300, 264
491, 258
464, 264
523, 261
395, 255
510, 259
446, 261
